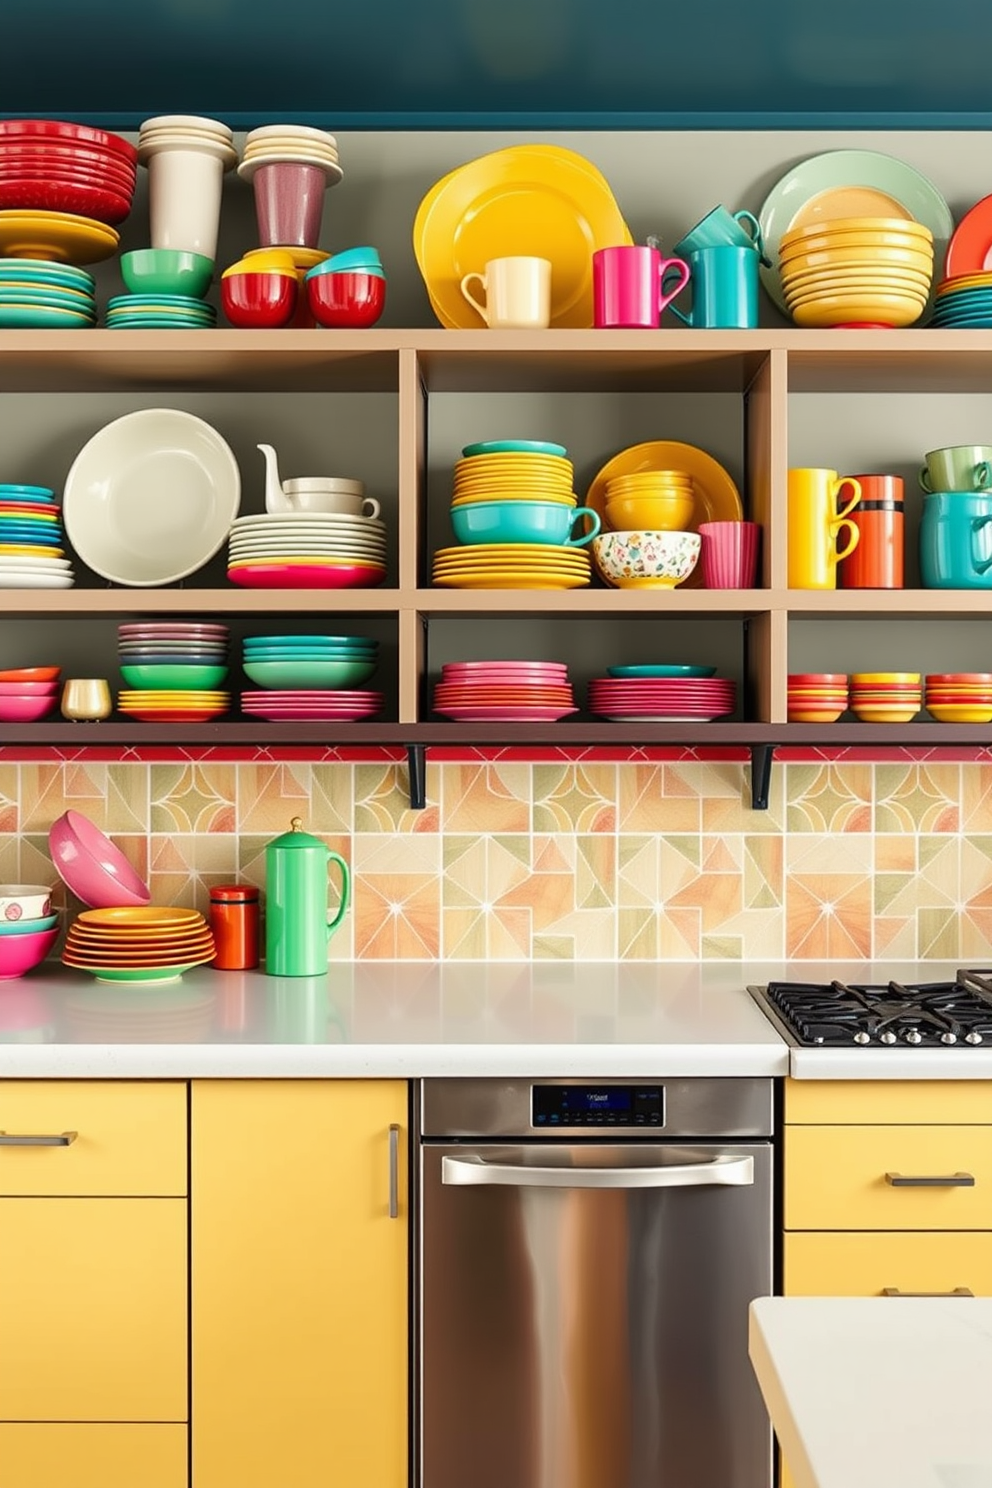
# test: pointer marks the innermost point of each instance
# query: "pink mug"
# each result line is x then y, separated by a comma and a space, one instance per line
626, 286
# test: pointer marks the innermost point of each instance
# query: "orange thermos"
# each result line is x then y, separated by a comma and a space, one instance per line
877, 561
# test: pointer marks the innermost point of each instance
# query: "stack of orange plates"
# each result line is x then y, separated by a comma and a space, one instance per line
512, 566
886, 697
857, 270
143, 943
959, 697
816, 697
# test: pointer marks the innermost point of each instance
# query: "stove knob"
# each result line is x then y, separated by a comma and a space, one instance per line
973, 1038
861, 1037
948, 1038
913, 1036
888, 1037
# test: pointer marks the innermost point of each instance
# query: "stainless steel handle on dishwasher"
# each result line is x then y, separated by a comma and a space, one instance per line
954, 1292
56, 1139
731, 1171
394, 1172
947, 1180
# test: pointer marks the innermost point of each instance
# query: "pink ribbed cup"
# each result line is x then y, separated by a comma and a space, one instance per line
289, 204
729, 558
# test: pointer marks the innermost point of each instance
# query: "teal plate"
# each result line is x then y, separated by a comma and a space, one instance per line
661, 671
139, 974
38, 319
163, 301
307, 640
514, 447
152, 323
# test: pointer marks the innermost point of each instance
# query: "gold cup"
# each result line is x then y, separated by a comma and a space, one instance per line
86, 699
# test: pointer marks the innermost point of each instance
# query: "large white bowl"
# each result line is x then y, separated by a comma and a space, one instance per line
94, 869
151, 497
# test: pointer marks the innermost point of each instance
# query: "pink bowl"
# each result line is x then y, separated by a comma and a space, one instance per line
94, 869
28, 689
18, 953
26, 708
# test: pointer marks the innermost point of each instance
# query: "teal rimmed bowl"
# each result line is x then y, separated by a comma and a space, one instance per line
179, 678
308, 674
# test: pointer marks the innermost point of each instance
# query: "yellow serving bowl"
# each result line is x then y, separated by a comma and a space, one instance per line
894, 226
665, 513
841, 275
875, 309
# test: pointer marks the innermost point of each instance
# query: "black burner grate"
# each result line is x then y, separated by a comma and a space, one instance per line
942, 1015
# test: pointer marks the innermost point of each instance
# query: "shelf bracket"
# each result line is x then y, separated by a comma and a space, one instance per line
761, 775
416, 760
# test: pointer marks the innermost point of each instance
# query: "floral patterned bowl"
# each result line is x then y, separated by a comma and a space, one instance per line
646, 560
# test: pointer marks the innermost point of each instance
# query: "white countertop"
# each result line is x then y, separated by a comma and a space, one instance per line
368, 1019
877, 1392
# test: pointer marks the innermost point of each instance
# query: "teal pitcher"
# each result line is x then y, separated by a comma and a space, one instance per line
297, 928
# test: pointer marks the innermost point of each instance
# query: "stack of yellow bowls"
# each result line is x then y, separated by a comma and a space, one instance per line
650, 500
857, 271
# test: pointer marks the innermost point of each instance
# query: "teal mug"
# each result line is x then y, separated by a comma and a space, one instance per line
723, 229
724, 284
956, 540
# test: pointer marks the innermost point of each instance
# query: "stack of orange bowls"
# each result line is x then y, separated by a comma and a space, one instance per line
959, 697
857, 271
816, 697
886, 697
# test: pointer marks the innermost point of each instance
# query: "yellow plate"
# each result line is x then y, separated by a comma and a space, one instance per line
517, 201
717, 499
19, 550
489, 496
966, 281
57, 237
960, 713
511, 579
867, 290
141, 914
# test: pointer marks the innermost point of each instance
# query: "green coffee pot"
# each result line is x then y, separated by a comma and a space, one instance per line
297, 929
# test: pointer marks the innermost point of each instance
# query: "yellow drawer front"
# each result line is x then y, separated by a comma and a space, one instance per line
92, 1456
92, 1310
889, 1102
835, 1177
130, 1138
863, 1265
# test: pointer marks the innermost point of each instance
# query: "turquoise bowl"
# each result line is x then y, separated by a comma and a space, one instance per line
329, 266
169, 271
27, 927
306, 674
524, 522
177, 678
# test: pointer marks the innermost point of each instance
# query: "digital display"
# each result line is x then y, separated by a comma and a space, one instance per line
598, 1105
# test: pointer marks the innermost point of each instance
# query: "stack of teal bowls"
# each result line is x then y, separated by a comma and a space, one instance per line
165, 291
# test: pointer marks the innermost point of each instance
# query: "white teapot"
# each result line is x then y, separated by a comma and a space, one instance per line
315, 493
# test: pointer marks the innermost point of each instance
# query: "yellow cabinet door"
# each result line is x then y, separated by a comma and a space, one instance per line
836, 1177
865, 1264
93, 1307
111, 1137
299, 1283
58, 1455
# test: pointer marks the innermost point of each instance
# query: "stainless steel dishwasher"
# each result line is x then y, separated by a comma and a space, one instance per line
588, 1250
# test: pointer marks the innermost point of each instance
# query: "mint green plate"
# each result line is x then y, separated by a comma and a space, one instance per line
514, 447
140, 974
182, 678
36, 318
661, 671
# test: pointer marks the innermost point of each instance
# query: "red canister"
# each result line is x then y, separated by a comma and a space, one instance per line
877, 561
234, 921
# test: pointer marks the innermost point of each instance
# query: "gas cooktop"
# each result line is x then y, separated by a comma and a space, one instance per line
940, 1015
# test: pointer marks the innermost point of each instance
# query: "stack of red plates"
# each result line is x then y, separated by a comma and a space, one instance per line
342, 704
672, 699
959, 697
51, 166
504, 691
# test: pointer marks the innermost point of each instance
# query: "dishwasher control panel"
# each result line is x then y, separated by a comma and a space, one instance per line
556, 1106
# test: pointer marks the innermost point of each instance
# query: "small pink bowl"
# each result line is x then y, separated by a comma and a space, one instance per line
28, 689
18, 953
94, 869
259, 301
26, 708
346, 301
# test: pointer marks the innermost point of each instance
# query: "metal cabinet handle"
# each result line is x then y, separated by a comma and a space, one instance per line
56, 1139
947, 1180
394, 1172
954, 1292
733, 1171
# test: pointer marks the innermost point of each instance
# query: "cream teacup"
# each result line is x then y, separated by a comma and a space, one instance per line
518, 293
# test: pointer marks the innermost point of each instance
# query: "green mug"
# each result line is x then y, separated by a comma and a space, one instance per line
297, 928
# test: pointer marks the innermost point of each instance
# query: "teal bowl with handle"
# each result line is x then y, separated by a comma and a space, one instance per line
179, 678
524, 522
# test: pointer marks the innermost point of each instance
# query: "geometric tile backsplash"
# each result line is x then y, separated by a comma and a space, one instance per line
603, 860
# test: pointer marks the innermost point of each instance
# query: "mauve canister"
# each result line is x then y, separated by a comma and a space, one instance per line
289, 204
877, 561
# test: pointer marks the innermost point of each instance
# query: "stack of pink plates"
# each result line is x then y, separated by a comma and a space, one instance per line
673, 699
504, 691
340, 705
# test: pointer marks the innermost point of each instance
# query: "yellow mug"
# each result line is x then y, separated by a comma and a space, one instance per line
816, 521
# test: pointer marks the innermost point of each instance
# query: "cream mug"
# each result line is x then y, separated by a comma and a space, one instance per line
518, 293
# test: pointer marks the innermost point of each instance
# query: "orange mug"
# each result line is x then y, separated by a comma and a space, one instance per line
816, 520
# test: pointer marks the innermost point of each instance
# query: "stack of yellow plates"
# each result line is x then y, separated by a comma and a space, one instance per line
58, 237
857, 270
513, 477
541, 201
511, 566
153, 705
143, 943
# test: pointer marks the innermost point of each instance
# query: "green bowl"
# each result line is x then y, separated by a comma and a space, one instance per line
180, 678
306, 674
170, 271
